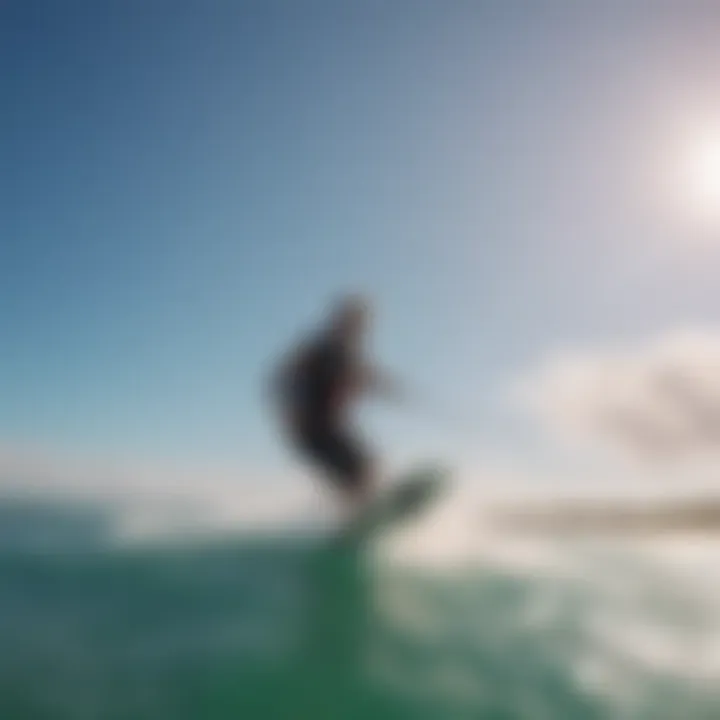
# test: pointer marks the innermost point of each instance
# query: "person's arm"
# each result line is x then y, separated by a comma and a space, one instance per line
382, 383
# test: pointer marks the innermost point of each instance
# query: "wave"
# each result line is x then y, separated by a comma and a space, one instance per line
270, 624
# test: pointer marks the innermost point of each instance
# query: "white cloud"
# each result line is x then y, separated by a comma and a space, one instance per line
658, 399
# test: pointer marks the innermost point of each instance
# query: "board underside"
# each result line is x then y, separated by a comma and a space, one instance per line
400, 502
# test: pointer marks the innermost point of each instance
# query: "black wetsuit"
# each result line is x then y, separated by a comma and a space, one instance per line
321, 431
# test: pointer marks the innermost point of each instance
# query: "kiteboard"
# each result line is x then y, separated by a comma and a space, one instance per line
399, 502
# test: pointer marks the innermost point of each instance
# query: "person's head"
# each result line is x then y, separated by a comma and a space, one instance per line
351, 317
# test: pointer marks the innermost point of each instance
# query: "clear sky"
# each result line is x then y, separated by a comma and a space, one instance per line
185, 184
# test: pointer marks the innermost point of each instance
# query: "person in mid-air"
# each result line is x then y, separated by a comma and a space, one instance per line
316, 388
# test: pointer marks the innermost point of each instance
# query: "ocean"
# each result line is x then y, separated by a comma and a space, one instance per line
268, 622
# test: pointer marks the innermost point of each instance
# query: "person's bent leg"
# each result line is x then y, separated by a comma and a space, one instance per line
353, 469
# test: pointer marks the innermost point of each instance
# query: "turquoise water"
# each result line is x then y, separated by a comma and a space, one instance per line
266, 626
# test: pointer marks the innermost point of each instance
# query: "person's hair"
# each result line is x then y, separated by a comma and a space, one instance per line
348, 306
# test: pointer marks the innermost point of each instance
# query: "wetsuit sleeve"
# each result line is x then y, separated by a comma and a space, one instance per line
383, 383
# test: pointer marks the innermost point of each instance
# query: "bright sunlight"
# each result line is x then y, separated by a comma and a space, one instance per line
702, 180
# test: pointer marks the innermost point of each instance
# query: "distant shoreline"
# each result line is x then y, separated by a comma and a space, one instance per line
696, 515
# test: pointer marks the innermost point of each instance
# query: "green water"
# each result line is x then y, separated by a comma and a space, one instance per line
267, 627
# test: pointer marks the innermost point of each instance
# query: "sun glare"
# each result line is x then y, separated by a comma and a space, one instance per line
702, 180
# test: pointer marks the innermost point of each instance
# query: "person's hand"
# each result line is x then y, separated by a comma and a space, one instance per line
387, 386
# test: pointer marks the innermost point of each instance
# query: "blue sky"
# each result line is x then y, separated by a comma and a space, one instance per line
185, 184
